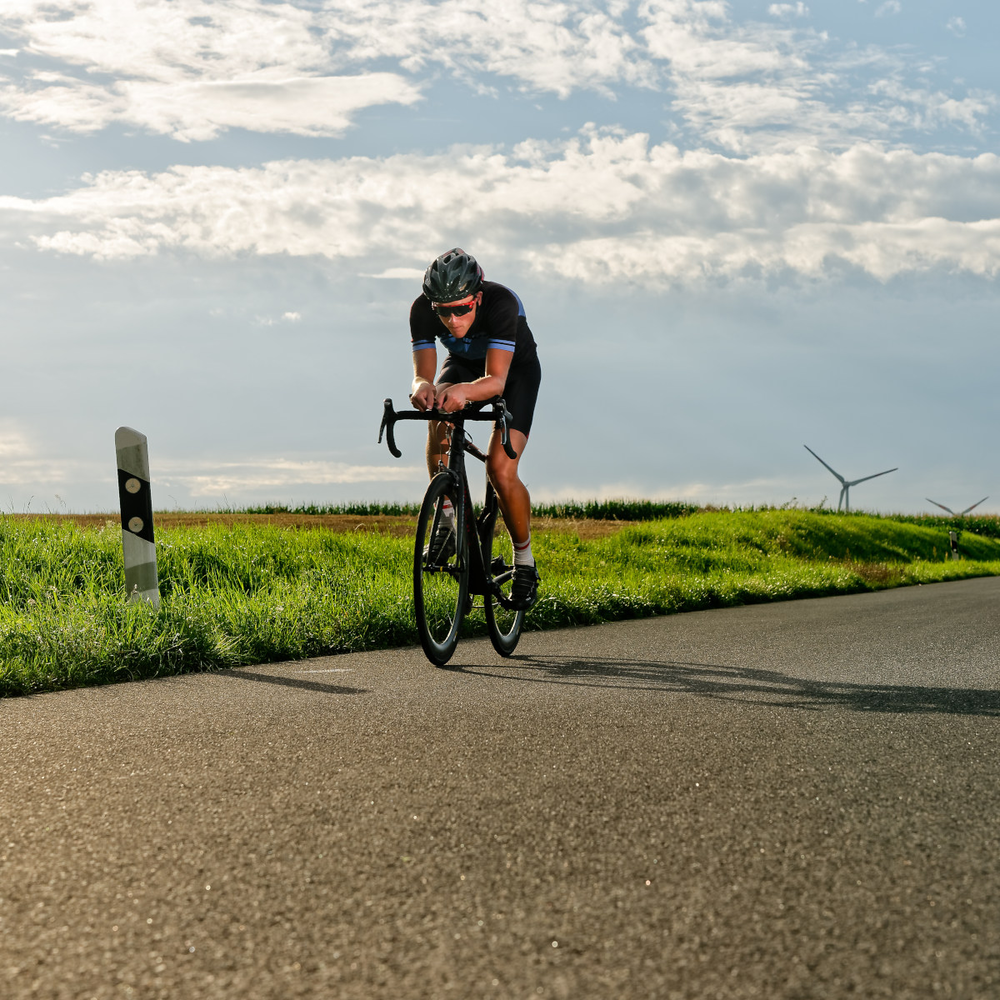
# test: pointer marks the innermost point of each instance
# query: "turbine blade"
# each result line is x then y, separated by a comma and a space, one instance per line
942, 506
818, 459
974, 506
854, 482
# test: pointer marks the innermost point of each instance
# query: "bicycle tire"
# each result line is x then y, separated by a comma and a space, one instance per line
504, 624
440, 585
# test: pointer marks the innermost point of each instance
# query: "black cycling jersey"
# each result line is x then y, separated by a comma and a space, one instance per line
520, 392
500, 322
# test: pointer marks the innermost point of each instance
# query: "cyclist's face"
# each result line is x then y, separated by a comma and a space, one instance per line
458, 326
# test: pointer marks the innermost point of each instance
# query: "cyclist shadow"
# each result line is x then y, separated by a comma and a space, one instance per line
763, 687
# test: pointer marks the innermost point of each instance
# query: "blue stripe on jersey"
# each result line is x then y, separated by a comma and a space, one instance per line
520, 304
502, 345
423, 345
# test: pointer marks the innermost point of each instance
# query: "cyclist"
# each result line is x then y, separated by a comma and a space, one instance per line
490, 352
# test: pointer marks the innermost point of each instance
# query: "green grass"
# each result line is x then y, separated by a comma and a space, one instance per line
249, 594
354, 509
620, 509
599, 510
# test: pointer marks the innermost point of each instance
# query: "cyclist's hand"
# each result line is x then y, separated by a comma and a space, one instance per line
422, 396
454, 398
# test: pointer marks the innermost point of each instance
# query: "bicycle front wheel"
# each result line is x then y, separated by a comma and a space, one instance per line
504, 624
440, 572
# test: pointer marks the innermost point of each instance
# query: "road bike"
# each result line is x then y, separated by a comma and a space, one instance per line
476, 558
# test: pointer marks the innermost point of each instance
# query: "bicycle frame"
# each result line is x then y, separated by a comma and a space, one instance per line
474, 532
477, 562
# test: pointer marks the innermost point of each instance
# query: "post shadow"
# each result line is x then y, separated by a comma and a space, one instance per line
293, 682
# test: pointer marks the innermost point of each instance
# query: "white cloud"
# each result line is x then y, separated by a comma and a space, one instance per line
556, 47
14, 444
737, 494
606, 206
785, 10
193, 68
186, 69
288, 317
24, 466
21, 464
398, 274
750, 87
882, 250
889, 7
956, 25
921, 108
310, 106
215, 478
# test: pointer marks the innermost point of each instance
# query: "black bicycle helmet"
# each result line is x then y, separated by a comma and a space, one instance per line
452, 276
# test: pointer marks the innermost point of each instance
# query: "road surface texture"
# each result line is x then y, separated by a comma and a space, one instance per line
794, 800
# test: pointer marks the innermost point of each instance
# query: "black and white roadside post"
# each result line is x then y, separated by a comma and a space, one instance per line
953, 538
137, 516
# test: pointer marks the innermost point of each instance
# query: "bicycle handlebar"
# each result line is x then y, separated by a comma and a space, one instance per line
498, 413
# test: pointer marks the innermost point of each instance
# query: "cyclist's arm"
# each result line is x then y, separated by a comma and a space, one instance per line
424, 369
501, 316
491, 384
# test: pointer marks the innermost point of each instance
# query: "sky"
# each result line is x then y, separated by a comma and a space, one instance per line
737, 229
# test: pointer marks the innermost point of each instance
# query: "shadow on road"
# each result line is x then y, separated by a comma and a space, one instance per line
293, 682
764, 687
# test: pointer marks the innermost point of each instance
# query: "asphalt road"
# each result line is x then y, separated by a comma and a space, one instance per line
796, 800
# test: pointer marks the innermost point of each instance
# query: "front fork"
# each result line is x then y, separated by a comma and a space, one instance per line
479, 533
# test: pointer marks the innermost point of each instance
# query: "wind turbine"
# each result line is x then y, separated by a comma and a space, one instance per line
845, 486
960, 513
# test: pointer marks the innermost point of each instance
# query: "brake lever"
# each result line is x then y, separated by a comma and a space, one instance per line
388, 424
502, 420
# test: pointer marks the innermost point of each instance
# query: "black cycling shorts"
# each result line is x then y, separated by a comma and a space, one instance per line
520, 392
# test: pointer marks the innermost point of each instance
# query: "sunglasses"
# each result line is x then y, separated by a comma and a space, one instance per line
453, 310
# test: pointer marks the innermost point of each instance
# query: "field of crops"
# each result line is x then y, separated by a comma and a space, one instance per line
251, 587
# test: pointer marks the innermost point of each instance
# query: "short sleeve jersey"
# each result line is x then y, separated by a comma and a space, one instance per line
500, 322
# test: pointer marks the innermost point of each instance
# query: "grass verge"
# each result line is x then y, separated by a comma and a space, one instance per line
250, 594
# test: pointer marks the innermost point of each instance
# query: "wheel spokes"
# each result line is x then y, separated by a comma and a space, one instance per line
440, 578
503, 621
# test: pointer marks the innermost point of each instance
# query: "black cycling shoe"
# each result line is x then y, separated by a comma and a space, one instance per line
442, 544
524, 589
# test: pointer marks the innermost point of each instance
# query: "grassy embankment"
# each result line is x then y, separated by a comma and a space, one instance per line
249, 593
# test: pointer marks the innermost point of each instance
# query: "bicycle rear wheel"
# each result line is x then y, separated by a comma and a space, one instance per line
440, 572
504, 624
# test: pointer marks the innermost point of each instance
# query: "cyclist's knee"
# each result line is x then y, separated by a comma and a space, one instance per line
506, 482
437, 434
501, 470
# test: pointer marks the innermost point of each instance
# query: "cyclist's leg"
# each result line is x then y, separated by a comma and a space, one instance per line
453, 370
520, 394
512, 494
437, 441
515, 505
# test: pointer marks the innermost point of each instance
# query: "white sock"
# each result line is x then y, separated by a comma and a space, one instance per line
522, 553
448, 509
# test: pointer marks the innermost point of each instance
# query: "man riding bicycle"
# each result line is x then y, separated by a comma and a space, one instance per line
491, 352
